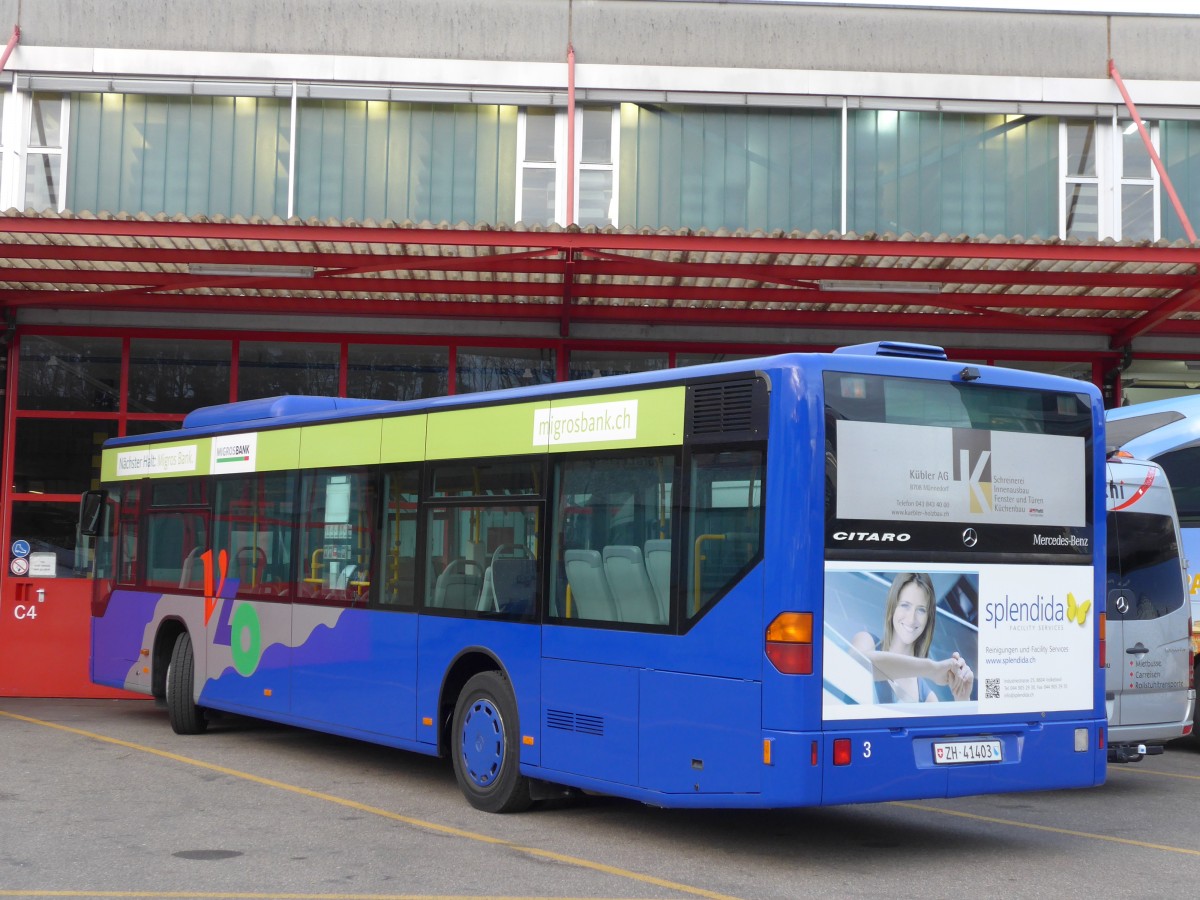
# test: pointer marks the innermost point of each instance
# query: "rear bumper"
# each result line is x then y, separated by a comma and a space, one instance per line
898, 763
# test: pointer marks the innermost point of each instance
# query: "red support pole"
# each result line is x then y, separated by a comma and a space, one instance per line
570, 134
1158, 164
12, 43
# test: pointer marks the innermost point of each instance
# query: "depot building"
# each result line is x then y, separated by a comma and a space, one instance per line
407, 198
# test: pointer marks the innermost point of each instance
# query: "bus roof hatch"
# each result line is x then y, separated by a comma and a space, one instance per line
895, 348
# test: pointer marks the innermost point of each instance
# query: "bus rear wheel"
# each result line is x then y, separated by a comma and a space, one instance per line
185, 716
486, 746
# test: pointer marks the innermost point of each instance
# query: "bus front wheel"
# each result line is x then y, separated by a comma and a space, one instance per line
487, 746
185, 716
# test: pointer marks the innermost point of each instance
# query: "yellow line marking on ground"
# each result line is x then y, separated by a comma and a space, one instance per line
1140, 771
1048, 828
201, 895
375, 810
184, 895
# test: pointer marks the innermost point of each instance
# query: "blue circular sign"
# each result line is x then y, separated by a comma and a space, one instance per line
20, 549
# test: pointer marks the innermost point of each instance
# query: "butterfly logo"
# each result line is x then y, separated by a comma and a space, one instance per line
1077, 611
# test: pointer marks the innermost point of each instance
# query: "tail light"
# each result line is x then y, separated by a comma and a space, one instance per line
789, 643
1102, 619
1192, 657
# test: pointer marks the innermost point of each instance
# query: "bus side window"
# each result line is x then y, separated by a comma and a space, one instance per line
612, 539
127, 534
338, 517
252, 523
724, 523
175, 540
397, 578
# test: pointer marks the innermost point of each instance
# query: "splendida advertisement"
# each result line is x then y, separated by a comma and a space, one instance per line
953, 639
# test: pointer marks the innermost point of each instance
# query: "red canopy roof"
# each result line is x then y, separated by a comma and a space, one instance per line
1118, 290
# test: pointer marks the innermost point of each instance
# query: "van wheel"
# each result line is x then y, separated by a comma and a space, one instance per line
486, 746
185, 716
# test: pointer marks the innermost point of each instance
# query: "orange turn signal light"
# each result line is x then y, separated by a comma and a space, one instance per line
789, 644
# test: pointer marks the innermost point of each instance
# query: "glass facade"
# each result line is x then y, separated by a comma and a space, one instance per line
69, 373
385, 372
177, 376
643, 165
595, 363
1180, 153
179, 155
711, 167
275, 368
495, 368
927, 172
422, 162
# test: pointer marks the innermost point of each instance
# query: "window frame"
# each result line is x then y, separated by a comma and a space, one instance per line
555, 550
559, 164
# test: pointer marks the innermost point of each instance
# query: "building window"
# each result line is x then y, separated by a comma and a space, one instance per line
6, 142
54, 528
1082, 214
595, 183
539, 194
1138, 210
177, 376
69, 373
44, 152
595, 363
58, 456
273, 368
495, 368
387, 372
542, 176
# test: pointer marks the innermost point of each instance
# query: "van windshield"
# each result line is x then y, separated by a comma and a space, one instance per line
1144, 576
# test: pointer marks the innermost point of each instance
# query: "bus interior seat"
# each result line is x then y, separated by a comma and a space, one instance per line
249, 565
192, 573
658, 567
589, 588
631, 588
341, 581
509, 564
459, 586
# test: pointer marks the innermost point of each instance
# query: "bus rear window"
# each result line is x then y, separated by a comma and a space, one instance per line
874, 398
916, 468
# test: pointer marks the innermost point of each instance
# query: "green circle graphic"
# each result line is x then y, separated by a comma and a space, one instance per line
246, 660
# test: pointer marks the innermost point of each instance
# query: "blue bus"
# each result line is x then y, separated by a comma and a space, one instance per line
1168, 432
808, 579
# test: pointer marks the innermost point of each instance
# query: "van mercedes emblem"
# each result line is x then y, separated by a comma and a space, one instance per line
970, 538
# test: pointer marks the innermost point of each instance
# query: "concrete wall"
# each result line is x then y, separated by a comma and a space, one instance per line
635, 32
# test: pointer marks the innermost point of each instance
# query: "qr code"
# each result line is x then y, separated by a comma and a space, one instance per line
991, 688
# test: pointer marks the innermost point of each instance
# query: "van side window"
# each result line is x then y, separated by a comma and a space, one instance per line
1183, 470
1144, 576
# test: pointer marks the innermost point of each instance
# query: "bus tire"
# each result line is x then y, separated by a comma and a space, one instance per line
185, 716
486, 746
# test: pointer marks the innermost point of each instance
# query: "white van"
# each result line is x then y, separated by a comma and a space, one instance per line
1148, 682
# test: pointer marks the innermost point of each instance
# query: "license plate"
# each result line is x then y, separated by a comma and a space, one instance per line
950, 752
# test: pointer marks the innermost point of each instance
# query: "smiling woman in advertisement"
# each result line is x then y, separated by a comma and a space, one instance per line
900, 661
